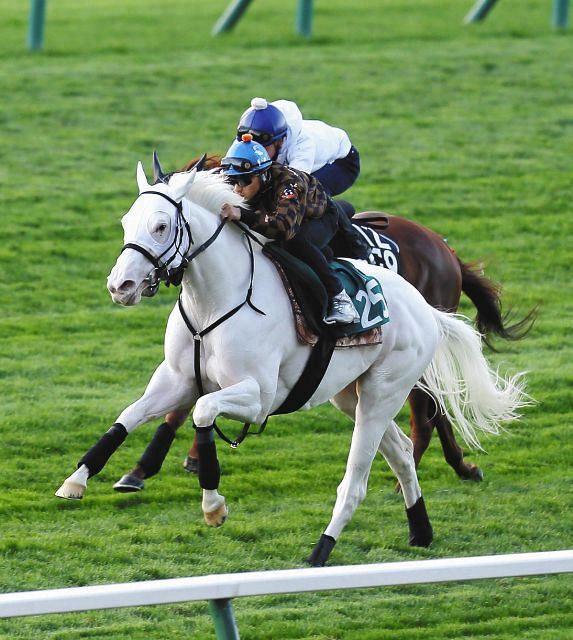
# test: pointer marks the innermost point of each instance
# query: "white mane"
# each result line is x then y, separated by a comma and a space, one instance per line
210, 191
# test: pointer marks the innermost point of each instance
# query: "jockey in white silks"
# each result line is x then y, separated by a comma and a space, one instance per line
312, 146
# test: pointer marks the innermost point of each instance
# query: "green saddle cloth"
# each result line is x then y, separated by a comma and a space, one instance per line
364, 291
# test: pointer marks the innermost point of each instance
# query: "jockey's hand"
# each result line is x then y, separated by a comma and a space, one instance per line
228, 212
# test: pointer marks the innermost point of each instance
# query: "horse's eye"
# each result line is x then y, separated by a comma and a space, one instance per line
161, 228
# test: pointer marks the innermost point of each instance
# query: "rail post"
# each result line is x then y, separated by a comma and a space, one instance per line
304, 18
480, 11
231, 16
224, 619
36, 24
560, 13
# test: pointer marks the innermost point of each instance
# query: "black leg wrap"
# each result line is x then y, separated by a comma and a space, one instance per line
156, 450
100, 453
321, 551
421, 534
209, 470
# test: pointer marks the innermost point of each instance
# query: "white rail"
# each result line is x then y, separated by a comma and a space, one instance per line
228, 586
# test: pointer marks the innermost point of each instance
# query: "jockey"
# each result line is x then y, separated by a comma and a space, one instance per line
311, 146
290, 206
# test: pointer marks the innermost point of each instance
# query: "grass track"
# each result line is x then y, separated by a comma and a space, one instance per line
467, 130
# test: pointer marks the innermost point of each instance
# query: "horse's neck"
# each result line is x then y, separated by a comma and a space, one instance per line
218, 278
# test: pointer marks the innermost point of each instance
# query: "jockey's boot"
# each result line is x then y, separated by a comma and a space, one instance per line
341, 310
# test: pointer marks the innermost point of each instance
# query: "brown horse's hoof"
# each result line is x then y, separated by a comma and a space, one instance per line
71, 491
191, 465
129, 484
473, 474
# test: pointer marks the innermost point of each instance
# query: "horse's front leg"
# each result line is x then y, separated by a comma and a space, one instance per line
155, 453
241, 401
167, 391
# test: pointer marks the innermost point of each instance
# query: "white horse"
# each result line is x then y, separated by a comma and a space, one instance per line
248, 361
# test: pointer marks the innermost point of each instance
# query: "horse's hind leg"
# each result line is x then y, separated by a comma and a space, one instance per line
380, 399
420, 424
423, 418
397, 448
453, 453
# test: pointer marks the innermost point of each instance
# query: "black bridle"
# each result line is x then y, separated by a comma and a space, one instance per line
162, 272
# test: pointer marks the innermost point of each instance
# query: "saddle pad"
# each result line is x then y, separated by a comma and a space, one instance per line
306, 332
385, 252
366, 295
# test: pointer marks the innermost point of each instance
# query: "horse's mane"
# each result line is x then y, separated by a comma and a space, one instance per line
211, 191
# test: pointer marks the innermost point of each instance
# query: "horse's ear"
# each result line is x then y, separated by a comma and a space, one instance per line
141, 179
200, 163
158, 175
180, 184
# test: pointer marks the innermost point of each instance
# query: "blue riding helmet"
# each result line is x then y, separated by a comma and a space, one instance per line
245, 157
263, 121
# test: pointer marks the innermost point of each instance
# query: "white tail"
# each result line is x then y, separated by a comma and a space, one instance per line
472, 395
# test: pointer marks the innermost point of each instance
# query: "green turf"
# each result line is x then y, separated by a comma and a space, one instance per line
468, 130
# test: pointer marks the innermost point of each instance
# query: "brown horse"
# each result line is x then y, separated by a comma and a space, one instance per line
427, 262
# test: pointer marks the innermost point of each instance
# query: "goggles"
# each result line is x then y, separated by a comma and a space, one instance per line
239, 164
262, 137
242, 181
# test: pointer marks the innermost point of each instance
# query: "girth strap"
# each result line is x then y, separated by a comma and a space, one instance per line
310, 378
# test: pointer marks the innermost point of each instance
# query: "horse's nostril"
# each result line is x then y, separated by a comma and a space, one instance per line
126, 285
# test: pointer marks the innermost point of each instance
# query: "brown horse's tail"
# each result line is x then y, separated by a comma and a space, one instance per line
486, 297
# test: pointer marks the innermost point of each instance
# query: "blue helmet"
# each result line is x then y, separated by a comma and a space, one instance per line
263, 121
245, 157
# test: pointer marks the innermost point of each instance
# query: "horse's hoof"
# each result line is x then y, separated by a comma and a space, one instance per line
421, 533
217, 517
474, 474
129, 484
191, 465
477, 474
321, 552
71, 491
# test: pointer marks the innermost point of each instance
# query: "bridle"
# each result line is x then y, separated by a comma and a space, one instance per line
162, 272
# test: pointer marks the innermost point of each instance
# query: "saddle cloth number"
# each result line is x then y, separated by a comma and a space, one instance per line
373, 300
385, 252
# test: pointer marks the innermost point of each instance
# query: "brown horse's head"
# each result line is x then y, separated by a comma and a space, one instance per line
212, 161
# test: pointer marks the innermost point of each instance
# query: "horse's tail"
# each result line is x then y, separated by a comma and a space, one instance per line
470, 393
486, 297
